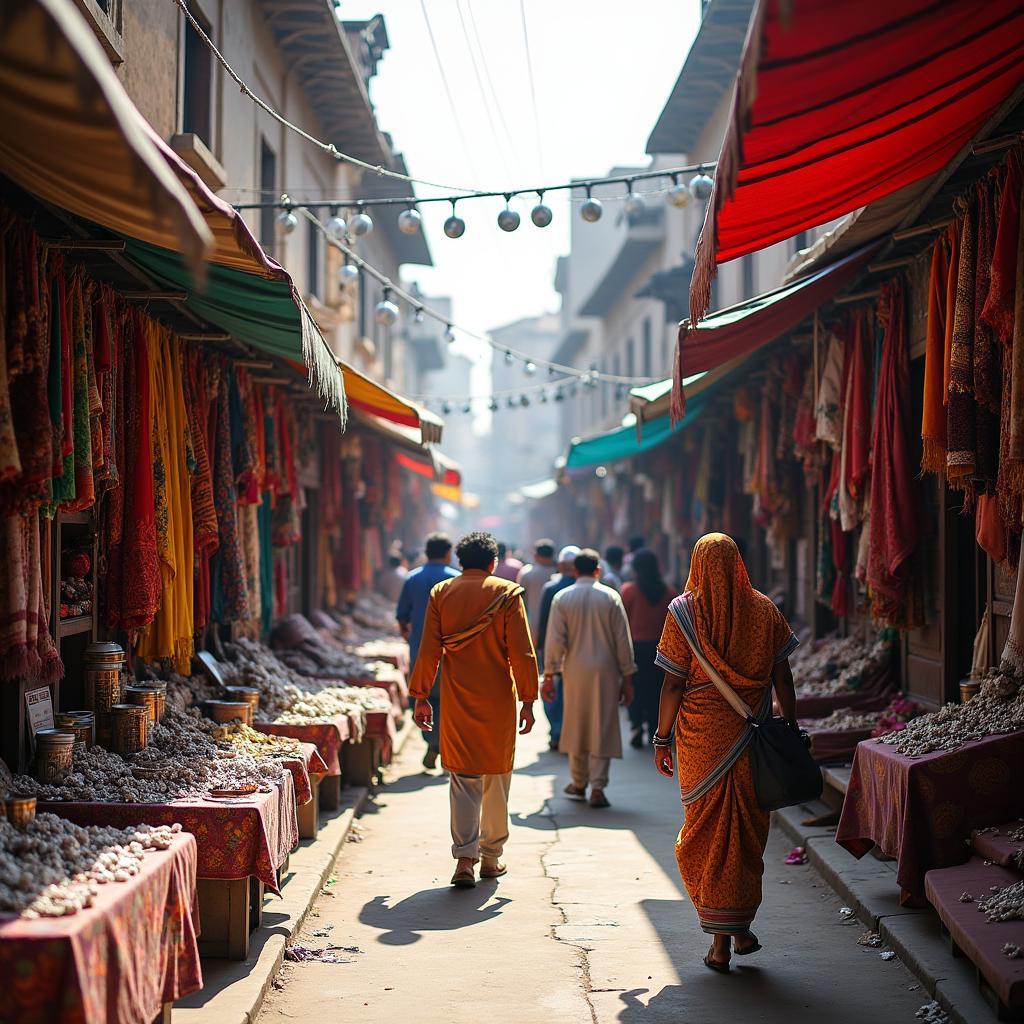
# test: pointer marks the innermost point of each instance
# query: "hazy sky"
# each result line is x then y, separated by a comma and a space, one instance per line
602, 71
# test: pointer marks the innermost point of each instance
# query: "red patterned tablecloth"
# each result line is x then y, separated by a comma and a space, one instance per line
327, 735
831, 745
116, 962
922, 810
237, 837
394, 651
381, 726
308, 763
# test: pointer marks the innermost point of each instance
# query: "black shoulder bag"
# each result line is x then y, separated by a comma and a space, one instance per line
783, 769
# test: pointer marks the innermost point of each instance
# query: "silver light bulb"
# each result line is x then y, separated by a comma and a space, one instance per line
508, 220
288, 221
591, 210
386, 312
409, 221
361, 225
336, 228
454, 227
701, 186
679, 196
541, 215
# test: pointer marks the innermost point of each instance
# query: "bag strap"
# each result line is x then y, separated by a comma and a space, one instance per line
735, 701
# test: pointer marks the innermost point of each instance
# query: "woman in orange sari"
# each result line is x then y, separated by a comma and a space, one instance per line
745, 638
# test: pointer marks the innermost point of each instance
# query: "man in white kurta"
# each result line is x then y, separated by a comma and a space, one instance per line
588, 642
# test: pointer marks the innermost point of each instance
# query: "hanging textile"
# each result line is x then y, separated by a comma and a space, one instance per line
249, 528
27, 649
230, 603
895, 522
998, 309
83, 495
827, 412
987, 352
10, 461
857, 430
171, 633
1013, 651
205, 536
961, 435
933, 419
1014, 451
990, 530
266, 608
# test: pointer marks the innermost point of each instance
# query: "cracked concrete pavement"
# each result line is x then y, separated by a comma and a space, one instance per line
590, 926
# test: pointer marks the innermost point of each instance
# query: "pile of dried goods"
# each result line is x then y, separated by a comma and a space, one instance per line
1006, 904
998, 708
839, 664
52, 867
299, 645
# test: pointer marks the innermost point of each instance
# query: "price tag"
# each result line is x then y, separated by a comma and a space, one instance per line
39, 707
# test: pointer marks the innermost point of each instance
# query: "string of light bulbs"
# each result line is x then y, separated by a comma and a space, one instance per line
387, 312
515, 398
680, 194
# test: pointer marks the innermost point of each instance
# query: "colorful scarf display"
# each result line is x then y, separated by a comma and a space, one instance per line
936, 358
961, 435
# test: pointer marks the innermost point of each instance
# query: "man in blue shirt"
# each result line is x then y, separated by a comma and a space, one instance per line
412, 610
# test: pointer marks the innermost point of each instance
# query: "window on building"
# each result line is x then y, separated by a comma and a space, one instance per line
749, 283
630, 358
616, 365
197, 109
604, 390
665, 356
312, 259
801, 240
268, 193
648, 348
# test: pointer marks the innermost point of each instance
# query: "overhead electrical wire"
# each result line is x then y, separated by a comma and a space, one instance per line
448, 89
588, 377
464, 191
533, 87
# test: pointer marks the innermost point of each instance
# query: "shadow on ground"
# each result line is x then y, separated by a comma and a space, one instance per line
431, 910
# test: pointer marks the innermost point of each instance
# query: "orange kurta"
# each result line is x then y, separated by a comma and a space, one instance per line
482, 671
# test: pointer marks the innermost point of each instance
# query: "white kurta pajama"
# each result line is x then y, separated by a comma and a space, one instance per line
588, 641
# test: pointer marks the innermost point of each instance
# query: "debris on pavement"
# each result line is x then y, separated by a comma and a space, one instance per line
872, 939
846, 913
323, 932
887, 955
1012, 950
796, 856
932, 1013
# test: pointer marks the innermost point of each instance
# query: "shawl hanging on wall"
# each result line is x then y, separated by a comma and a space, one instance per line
230, 601
843, 506
1014, 452
895, 522
133, 567
933, 419
205, 534
987, 353
10, 461
26, 648
249, 527
171, 633
28, 340
858, 415
828, 411
998, 309
55, 383
961, 435
62, 488
83, 493
266, 609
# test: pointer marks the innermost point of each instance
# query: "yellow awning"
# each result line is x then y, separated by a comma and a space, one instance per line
72, 136
369, 397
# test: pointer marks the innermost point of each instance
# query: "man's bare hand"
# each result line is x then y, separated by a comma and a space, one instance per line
548, 689
423, 715
526, 719
626, 693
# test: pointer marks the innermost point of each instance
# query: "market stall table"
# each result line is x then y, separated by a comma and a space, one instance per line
239, 839
307, 770
363, 761
921, 810
329, 736
120, 961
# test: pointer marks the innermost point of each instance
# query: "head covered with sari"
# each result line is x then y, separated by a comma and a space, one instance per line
741, 631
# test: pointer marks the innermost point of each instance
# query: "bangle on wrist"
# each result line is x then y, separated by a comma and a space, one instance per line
662, 741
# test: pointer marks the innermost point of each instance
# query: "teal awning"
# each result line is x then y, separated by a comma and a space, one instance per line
264, 312
623, 442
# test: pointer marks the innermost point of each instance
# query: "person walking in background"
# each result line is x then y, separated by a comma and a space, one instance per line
532, 578
636, 543
744, 638
392, 579
564, 577
611, 570
412, 611
507, 567
588, 641
478, 622
646, 599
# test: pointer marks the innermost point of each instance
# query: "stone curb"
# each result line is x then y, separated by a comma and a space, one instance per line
234, 991
869, 886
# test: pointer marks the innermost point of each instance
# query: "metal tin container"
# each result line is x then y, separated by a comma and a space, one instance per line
129, 728
53, 754
104, 664
247, 693
144, 696
81, 724
159, 687
968, 689
228, 710
21, 809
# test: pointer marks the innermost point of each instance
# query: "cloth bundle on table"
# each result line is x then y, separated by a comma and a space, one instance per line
741, 632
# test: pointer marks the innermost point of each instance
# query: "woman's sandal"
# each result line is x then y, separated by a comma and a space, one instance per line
721, 966
753, 948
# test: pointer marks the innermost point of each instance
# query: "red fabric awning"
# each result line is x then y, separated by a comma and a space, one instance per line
739, 330
837, 105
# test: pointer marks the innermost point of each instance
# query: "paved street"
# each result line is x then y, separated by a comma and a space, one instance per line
590, 925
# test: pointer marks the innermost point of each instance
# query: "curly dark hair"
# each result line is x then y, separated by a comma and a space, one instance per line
438, 545
477, 551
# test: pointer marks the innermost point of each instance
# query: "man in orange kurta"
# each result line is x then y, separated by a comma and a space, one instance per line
478, 622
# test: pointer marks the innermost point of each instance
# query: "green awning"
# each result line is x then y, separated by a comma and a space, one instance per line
623, 442
264, 312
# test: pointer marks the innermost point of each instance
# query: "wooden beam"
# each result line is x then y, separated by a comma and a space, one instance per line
97, 244
162, 296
